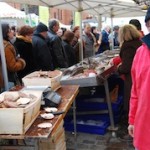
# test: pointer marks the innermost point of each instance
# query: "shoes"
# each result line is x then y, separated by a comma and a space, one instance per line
123, 135
122, 132
126, 138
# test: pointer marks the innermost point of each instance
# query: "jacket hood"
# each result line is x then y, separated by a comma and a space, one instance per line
146, 40
147, 17
24, 39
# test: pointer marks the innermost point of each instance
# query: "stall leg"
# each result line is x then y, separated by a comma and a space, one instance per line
112, 124
75, 124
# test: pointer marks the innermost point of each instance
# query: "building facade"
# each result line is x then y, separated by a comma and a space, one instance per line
64, 16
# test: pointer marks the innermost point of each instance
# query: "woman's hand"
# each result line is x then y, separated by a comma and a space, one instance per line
119, 65
131, 130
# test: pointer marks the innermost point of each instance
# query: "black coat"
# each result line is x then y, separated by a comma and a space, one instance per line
24, 48
57, 49
127, 53
41, 53
70, 52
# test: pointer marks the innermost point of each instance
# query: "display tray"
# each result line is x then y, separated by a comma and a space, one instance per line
83, 82
89, 81
92, 71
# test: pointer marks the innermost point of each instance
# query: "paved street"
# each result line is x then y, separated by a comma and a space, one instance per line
96, 142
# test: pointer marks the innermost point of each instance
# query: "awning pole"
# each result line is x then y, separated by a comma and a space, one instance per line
80, 39
3, 60
73, 18
112, 37
99, 22
28, 14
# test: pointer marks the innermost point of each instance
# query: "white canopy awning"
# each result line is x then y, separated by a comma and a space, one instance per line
117, 8
6, 11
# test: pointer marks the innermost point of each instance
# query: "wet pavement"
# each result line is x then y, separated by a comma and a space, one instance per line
87, 141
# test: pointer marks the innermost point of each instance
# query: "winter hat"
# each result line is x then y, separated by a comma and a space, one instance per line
41, 28
147, 17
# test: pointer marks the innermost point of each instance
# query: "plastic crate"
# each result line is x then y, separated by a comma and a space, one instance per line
89, 104
87, 125
103, 117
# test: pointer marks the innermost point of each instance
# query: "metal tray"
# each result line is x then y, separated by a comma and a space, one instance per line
89, 81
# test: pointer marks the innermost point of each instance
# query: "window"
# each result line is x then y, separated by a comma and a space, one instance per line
55, 16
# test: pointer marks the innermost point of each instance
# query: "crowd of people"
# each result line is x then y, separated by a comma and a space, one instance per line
49, 47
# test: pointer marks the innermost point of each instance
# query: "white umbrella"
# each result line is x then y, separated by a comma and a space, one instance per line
121, 8
7, 11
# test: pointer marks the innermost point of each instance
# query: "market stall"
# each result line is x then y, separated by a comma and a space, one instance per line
93, 71
45, 138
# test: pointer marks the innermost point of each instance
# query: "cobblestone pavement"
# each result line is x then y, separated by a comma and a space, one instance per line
96, 142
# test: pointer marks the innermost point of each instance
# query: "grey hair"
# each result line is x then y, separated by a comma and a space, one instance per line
87, 25
52, 23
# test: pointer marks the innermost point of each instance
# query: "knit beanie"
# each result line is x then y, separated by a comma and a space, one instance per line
147, 17
41, 28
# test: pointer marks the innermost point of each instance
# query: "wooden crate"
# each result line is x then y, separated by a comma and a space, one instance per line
18, 120
56, 141
34, 79
17, 148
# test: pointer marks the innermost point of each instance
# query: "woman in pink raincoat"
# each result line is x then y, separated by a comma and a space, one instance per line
139, 113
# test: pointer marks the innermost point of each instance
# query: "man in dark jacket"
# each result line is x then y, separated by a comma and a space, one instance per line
55, 43
41, 52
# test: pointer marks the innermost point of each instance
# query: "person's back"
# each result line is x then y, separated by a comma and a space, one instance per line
55, 45
129, 39
70, 51
41, 52
23, 44
75, 42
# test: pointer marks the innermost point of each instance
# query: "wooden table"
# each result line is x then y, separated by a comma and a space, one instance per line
68, 93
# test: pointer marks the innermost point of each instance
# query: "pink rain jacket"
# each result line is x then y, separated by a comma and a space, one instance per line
139, 114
